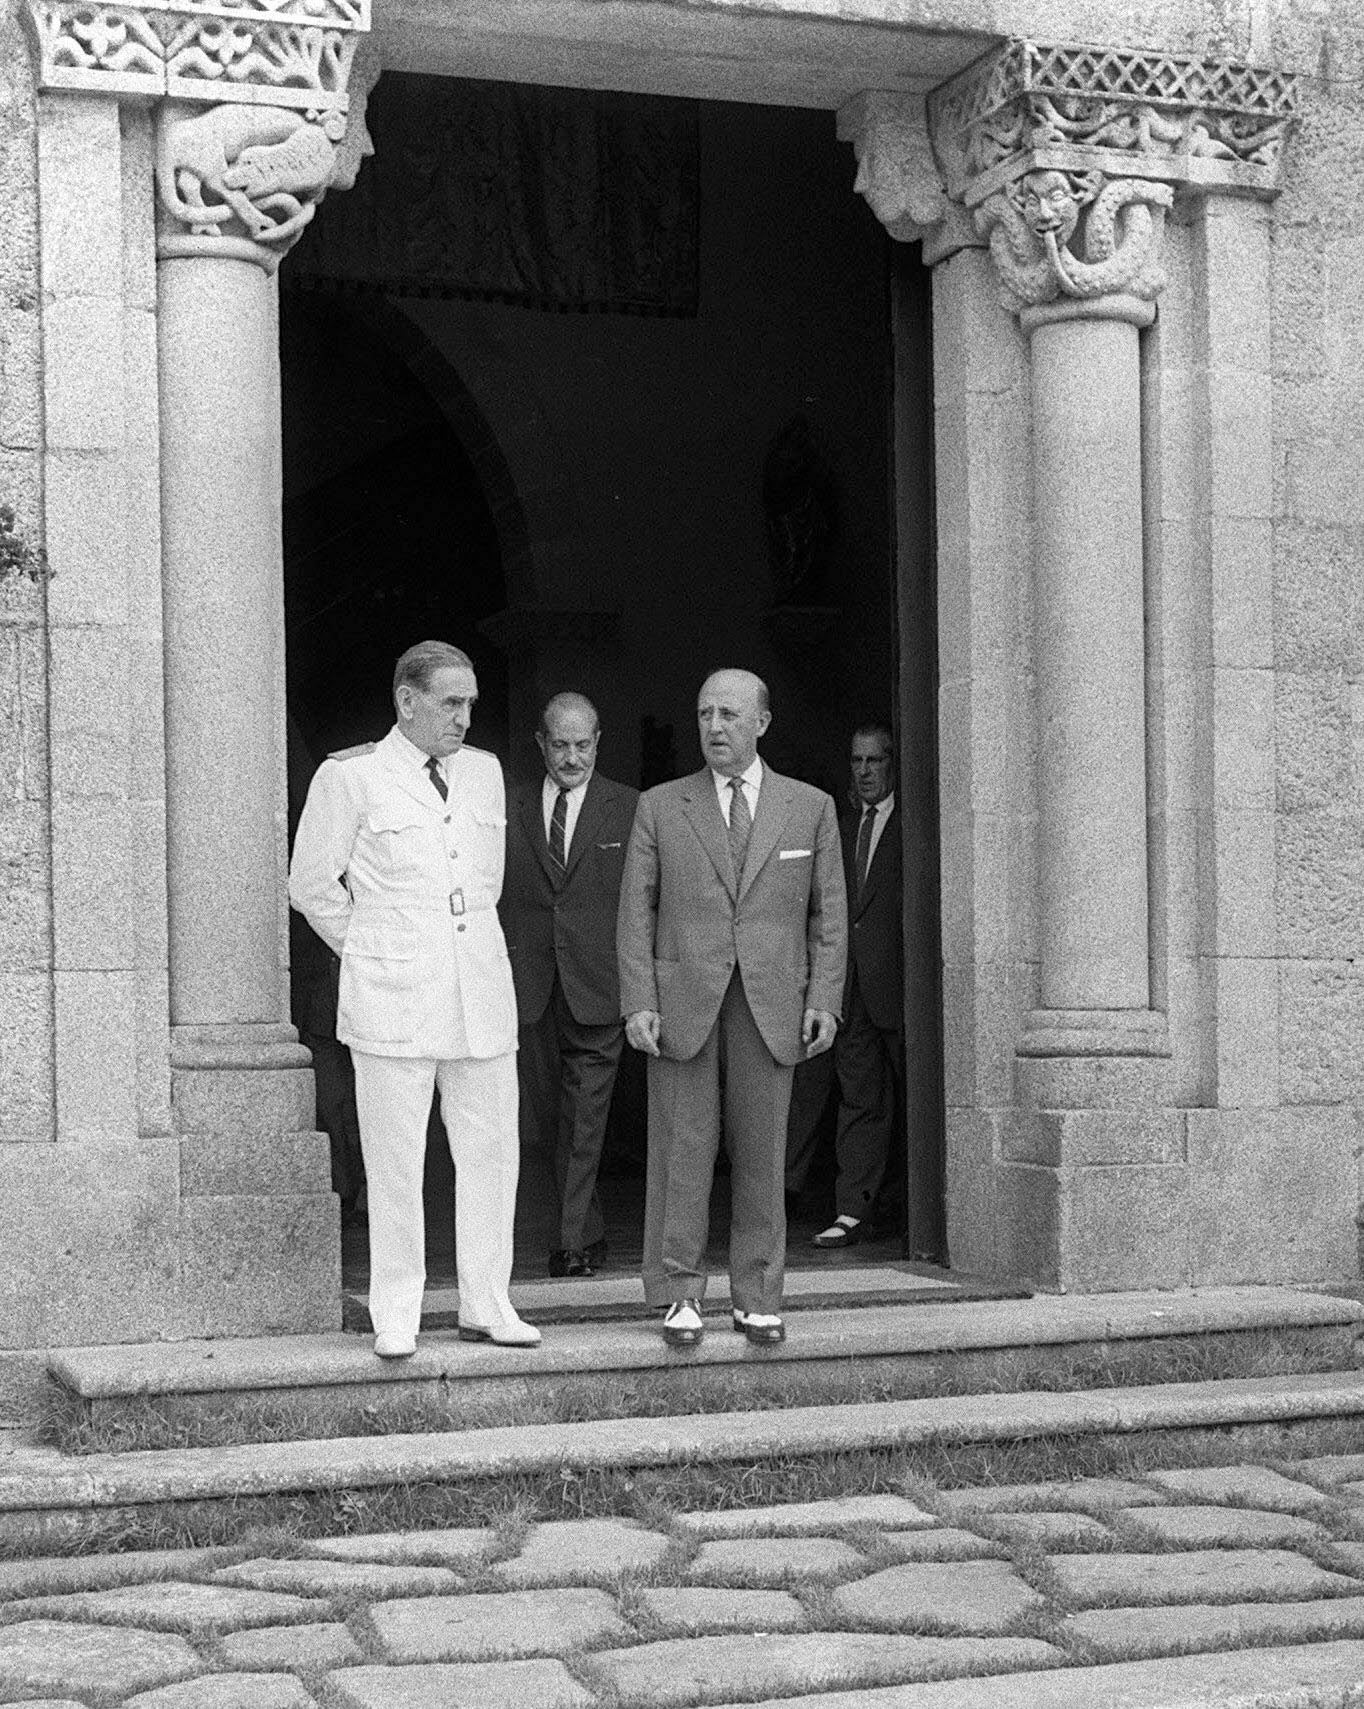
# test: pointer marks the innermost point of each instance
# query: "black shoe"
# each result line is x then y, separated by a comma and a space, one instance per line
682, 1326
761, 1331
569, 1261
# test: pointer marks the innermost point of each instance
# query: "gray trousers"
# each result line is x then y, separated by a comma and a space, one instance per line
735, 1077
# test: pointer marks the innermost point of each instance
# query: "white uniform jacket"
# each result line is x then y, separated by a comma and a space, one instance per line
404, 887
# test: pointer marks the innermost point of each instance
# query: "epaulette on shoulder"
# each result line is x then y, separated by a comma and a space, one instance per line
357, 752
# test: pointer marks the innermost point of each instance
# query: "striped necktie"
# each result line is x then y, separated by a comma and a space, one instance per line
558, 824
740, 825
433, 772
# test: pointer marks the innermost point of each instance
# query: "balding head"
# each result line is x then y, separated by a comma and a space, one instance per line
567, 739
732, 712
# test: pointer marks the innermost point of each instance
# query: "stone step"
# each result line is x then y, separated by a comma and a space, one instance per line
333, 1385
42, 1485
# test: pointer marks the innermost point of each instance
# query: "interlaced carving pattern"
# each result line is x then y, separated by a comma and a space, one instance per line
1030, 95
280, 45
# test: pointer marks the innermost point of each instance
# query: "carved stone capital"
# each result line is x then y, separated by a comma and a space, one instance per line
1199, 125
1074, 236
243, 180
898, 175
255, 118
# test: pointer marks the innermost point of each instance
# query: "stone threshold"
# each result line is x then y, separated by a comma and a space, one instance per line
840, 1280
294, 1362
42, 1479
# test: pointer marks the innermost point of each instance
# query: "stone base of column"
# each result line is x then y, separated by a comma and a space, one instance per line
260, 1237
1094, 1032
1093, 1174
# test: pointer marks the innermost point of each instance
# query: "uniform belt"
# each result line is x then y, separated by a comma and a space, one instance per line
467, 901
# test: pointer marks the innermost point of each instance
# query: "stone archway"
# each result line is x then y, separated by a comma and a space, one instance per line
1068, 1157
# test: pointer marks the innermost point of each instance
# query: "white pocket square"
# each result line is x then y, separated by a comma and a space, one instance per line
608, 845
795, 854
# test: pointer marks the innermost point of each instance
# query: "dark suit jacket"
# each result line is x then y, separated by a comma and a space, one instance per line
875, 923
685, 923
566, 922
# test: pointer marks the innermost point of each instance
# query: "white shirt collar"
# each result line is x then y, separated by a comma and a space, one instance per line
549, 790
753, 777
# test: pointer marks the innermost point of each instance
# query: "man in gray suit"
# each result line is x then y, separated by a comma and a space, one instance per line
732, 940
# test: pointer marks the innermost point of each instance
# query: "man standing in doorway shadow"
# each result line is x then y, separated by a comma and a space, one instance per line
733, 936
566, 840
869, 1056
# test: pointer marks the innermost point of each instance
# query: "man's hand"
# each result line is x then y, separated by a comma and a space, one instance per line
642, 1030
817, 1031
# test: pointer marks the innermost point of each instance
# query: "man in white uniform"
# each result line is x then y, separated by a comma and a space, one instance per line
398, 866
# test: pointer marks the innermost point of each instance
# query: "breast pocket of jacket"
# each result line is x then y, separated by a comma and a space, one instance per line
402, 843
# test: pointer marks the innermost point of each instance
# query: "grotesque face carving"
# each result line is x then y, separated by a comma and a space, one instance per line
354, 146
1050, 203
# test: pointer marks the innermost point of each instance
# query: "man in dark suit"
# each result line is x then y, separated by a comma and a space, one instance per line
732, 938
566, 840
869, 1055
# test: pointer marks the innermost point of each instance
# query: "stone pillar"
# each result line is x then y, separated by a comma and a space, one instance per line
236, 185
220, 528
1090, 664
1065, 160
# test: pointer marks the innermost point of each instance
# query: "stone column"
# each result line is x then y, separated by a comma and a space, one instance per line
1067, 1156
1082, 317
236, 185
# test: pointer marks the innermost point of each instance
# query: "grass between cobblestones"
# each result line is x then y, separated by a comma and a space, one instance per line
141, 1423
273, 1524
657, 1498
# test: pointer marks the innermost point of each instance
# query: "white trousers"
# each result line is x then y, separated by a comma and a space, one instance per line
478, 1104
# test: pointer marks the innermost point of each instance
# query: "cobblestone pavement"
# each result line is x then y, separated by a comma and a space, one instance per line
1170, 1591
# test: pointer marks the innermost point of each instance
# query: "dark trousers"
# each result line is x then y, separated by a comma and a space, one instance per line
567, 1072
869, 1062
334, 1081
735, 1077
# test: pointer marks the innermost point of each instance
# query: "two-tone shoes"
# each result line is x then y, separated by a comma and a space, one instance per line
761, 1330
682, 1325
843, 1231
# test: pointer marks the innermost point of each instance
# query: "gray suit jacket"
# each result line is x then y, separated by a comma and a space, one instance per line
686, 921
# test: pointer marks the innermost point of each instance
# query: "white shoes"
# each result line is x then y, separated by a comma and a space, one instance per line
506, 1329
393, 1344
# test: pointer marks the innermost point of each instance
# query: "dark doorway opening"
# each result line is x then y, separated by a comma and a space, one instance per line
622, 501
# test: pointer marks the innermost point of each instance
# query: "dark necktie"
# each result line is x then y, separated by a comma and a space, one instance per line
558, 824
740, 825
864, 846
433, 772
